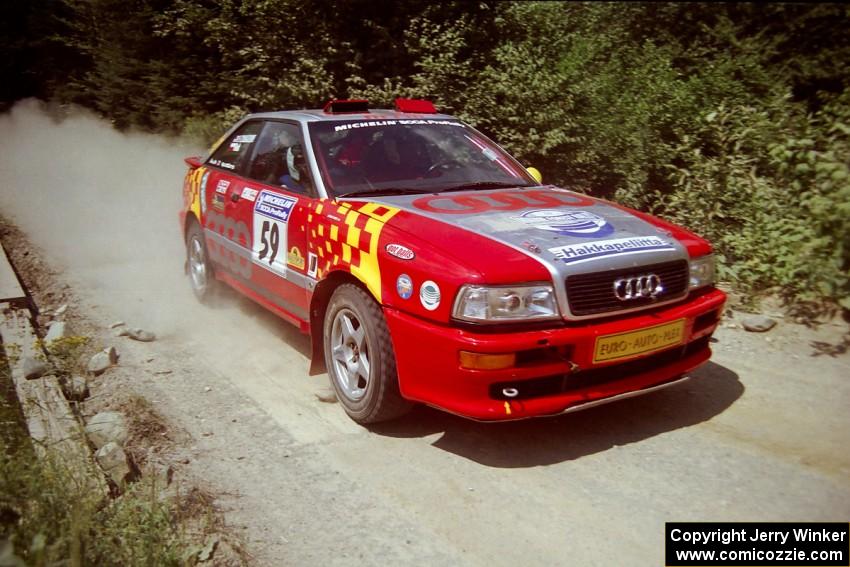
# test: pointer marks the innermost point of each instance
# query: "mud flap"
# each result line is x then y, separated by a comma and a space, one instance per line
317, 358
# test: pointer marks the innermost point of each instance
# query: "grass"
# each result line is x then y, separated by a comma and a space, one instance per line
48, 517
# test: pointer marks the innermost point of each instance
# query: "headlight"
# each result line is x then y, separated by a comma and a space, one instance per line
505, 304
702, 271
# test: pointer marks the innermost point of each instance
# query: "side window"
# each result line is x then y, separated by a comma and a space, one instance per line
234, 152
280, 159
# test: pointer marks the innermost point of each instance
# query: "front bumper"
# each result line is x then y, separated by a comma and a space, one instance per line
558, 375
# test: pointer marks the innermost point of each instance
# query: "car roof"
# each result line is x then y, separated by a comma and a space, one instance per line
319, 115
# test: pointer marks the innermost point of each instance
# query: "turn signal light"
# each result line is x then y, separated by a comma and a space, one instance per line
482, 361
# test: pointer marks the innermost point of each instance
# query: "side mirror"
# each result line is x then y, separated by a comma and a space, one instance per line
535, 173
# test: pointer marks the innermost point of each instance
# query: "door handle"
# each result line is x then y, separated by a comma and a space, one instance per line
234, 197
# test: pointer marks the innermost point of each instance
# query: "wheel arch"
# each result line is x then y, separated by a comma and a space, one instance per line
188, 221
318, 307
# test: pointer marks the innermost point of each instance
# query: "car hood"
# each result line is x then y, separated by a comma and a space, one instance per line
569, 232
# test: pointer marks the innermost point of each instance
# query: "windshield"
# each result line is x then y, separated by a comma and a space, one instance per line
410, 156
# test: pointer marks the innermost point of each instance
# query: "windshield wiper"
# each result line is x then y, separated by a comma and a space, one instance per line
481, 185
386, 191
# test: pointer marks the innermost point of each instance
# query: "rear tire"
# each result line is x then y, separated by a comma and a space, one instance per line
359, 357
201, 277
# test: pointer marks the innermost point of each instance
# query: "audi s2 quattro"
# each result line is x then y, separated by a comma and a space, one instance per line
428, 266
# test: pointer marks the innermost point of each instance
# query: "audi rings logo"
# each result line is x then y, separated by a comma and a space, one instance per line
647, 285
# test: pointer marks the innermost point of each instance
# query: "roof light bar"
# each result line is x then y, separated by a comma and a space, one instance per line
416, 106
346, 106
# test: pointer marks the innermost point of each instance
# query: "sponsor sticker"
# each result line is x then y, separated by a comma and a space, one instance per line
592, 250
235, 146
312, 264
222, 185
405, 122
401, 252
569, 223
244, 138
271, 213
224, 164
249, 194
277, 207
404, 286
294, 258
500, 201
429, 295
218, 202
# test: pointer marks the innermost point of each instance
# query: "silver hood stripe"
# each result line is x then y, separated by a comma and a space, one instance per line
569, 233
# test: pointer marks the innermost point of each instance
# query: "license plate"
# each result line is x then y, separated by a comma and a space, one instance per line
634, 343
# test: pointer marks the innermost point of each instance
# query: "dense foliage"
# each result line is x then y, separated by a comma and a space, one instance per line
732, 119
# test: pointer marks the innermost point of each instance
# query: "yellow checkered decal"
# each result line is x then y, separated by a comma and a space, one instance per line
347, 236
192, 190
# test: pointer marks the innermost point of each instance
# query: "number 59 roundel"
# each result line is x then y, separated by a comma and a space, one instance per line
271, 215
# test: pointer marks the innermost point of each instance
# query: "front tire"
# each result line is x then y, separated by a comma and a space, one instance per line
359, 357
200, 269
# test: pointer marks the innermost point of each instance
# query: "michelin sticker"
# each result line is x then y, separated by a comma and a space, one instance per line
592, 250
569, 223
404, 122
404, 286
271, 216
429, 295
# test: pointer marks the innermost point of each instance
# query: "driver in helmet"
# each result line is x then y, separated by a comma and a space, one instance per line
295, 175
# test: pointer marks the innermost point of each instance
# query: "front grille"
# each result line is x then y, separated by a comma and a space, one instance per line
592, 294
551, 385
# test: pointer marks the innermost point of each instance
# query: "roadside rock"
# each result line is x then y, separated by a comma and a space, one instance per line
107, 427
326, 397
758, 323
209, 549
103, 360
56, 332
113, 460
141, 335
34, 368
76, 388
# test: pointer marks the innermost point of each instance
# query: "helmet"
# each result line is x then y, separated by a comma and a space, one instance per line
294, 158
284, 139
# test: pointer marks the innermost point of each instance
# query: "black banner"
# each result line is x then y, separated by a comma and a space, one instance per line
757, 544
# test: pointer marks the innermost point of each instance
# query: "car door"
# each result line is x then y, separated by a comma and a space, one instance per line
274, 200
227, 234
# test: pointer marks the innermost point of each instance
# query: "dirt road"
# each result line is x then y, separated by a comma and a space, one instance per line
757, 435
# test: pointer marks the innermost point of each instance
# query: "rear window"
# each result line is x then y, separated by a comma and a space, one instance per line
236, 150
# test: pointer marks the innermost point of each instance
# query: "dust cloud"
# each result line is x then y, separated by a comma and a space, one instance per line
103, 207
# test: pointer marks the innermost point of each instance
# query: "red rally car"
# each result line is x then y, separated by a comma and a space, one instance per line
427, 265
